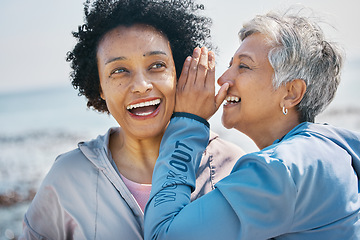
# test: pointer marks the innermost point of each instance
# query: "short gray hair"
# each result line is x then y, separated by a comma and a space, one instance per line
299, 51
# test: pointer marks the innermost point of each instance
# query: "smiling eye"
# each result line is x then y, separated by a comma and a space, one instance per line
244, 66
158, 65
118, 71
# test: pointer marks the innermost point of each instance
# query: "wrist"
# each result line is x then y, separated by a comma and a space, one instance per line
191, 116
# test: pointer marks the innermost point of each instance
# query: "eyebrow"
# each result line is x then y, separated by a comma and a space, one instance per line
115, 59
245, 56
151, 53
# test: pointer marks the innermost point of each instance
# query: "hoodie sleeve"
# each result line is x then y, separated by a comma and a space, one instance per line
175, 171
240, 207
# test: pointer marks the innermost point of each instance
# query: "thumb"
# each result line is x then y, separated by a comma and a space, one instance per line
221, 95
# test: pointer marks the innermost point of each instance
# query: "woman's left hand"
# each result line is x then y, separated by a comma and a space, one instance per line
195, 92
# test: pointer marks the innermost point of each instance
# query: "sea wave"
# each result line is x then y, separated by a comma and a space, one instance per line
24, 161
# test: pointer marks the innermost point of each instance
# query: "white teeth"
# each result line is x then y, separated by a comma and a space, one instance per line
232, 99
143, 114
144, 104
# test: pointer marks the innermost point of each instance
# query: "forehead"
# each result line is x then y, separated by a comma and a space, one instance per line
140, 37
256, 45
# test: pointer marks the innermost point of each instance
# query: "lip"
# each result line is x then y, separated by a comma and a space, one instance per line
152, 115
229, 105
143, 100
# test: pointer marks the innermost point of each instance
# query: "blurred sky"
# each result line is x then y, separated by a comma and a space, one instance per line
35, 35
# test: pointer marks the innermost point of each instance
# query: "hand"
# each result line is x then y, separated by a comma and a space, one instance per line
196, 86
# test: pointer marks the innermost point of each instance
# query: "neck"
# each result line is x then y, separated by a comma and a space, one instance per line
134, 157
266, 137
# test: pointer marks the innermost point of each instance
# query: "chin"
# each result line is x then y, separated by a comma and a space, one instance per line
225, 123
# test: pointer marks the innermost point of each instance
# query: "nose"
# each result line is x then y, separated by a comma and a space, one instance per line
141, 84
226, 77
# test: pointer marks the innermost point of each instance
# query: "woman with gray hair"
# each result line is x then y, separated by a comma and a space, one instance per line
304, 181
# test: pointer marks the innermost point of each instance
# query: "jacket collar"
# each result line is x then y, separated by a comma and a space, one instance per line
91, 149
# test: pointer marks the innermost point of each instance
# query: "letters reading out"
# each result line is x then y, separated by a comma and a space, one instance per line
179, 159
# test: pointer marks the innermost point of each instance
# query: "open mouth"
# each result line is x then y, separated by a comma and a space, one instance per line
144, 108
232, 100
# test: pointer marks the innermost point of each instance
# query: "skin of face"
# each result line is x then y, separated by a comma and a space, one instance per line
256, 106
136, 68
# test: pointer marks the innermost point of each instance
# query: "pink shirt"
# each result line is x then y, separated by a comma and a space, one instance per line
141, 192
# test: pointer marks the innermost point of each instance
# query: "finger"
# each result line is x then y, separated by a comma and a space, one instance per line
210, 77
184, 73
202, 68
193, 68
221, 95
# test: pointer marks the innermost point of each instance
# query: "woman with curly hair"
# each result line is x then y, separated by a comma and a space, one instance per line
126, 62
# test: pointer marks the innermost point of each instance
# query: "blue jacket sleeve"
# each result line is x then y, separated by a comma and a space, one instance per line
175, 171
256, 201
166, 216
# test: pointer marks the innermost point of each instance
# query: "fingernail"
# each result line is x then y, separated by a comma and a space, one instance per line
204, 49
196, 53
187, 61
227, 86
211, 54
211, 59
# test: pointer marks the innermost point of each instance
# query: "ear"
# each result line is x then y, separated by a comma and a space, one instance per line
295, 93
101, 93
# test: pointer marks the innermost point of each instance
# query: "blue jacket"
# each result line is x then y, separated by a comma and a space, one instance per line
303, 186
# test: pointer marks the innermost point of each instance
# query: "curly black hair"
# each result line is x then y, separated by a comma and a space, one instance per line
176, 19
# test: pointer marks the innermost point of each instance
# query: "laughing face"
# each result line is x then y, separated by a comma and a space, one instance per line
252, 105
138, 79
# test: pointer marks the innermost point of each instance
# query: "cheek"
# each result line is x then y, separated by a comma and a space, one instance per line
169, 90
249, 86
241, 86
103, 89
167, 84
172, 86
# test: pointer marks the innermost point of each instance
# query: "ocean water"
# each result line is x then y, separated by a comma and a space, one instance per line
38, 125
